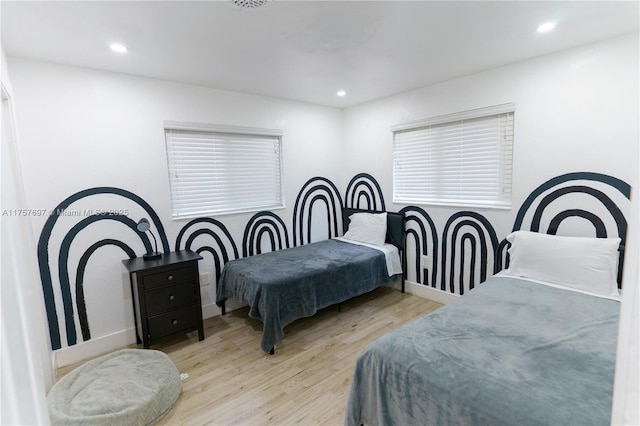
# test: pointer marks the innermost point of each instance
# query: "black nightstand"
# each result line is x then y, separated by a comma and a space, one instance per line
166, 295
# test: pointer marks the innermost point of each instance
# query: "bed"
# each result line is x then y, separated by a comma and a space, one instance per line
285, 285
490, 358
534, 344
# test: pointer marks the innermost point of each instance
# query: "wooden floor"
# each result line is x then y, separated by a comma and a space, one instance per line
232, 382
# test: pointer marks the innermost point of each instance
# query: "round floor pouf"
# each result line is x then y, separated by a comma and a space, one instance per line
127, 387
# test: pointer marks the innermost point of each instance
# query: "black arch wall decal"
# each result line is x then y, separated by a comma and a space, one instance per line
620, 185
598, 224
262, 223
472, 240
486, 243
561, 190
63, 271
426, 243
82, 265
43, 256
363, 185
610, 205
223, 249
501, 259
316, 190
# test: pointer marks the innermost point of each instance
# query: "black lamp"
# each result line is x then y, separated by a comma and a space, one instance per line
144, 226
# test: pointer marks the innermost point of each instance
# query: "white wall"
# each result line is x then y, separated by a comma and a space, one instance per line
626, 391
82, 128
576, 110
626, 410
26, 356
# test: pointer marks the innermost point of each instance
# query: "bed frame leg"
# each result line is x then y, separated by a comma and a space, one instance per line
339, 307
404, 266
272, 351
223, 306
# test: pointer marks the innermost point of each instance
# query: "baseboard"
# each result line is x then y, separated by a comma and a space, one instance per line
430, 293
211, 310
93, 348
122, 339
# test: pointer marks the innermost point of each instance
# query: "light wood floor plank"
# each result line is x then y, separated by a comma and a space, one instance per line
232, 382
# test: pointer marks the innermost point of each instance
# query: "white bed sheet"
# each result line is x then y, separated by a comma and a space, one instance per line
506, 274
391, 254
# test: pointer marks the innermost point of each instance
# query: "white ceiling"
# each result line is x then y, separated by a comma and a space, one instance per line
306, 50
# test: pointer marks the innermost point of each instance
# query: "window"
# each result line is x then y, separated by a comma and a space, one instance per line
216, 169
462, 159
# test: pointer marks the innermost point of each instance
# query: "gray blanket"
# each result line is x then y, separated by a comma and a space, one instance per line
510, 352
293, 283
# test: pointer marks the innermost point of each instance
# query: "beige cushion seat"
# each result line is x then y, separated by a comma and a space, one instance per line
127, 387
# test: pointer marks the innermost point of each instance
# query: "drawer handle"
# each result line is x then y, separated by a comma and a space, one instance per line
171, 297
174, 322
170, 277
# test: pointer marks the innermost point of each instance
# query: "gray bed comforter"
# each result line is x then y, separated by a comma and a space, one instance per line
293, 283
510, 352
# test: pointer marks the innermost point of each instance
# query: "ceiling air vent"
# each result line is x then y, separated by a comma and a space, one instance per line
249, 4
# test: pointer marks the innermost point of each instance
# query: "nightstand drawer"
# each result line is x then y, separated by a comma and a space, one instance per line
168, 277
172, 322
166, 298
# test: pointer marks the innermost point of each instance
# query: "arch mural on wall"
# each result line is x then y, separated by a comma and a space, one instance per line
468, 246
589, 199
467, 254
261, 224
364, 192
420, 229
501, 260
317, 191
44, 265
207, 235
79, 288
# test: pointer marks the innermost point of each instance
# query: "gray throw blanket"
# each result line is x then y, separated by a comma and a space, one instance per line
293, 283
510, 352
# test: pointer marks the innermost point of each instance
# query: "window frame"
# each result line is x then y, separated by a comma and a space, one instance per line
496, 203
229, 130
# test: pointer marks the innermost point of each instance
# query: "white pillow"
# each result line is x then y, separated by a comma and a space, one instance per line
585, 264
370, 228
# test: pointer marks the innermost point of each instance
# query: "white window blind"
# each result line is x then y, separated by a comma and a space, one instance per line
222, 171
462, 159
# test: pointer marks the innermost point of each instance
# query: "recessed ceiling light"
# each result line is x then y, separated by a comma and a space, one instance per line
116, 47
548, 26
341, 93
